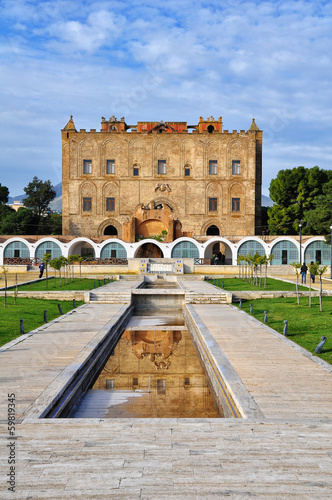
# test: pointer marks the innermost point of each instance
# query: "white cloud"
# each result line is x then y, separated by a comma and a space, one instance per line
177, 60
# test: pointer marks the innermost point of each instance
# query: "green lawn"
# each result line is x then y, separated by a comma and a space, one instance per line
234, 284
32, 311
77, 284
305, 326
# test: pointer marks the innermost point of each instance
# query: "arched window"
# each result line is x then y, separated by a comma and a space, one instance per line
110, 231
318, 251
48, 247
284, 252
185, 250
250, 248
187, 170
212, 231
113, 250
16, 249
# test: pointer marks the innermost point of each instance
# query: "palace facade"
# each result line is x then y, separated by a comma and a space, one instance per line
164, 179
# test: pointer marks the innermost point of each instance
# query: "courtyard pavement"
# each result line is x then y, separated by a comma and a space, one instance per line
285, 454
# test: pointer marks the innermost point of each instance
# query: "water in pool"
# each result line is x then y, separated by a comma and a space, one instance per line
154, 371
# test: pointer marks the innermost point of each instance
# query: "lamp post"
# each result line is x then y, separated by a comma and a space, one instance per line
300, 227
331, 250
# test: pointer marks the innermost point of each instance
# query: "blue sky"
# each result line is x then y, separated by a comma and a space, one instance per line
157, 60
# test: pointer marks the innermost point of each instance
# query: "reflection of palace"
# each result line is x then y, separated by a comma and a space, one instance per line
157, 346
165, 361
134, 181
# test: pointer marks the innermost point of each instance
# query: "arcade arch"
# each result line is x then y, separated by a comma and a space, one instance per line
84, 248
222, 248
149, 250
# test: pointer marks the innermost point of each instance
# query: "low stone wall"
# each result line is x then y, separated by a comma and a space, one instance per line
261, 294
49, 295
221, 271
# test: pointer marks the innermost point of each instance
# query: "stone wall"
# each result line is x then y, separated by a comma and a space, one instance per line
186, 186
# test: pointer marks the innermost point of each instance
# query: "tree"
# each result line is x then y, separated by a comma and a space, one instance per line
39, 195
320, 271
4, 193
24, 221
313, 271
58, 263
294, 191
46, 260
320, 216
5, 271
54, 223
297, 266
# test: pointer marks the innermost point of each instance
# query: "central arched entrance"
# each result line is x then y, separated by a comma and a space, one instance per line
221, 249
212, 231
110, 231
149, 251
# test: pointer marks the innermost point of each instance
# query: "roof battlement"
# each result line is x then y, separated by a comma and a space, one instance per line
209, 125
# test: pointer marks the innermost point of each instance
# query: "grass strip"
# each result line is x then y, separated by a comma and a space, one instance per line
305, 326
54, 284
32, 311
237, 284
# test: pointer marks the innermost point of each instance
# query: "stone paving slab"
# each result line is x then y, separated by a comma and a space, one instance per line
177, 458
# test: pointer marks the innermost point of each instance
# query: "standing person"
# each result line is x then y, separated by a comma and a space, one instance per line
304, 270
312, 276
41, 269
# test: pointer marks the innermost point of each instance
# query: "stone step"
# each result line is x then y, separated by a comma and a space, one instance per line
206, 298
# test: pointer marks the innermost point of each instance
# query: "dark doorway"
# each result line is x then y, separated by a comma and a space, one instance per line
149, 251
210, 129
284, 257
111, 231
319, 256
212, 231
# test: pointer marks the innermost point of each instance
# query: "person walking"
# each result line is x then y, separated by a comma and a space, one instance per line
312, 276
41, 269
304, 270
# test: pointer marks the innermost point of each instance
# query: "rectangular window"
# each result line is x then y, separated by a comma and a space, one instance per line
110, 383
16, 253
235, 204
135, 173
161, 386
161, 166
213, 204
236, 167
110, 167
87, 166
87, 204
213, 167
187, 172
113, 253
110, 204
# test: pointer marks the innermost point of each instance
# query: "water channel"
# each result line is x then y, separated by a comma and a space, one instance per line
153, 371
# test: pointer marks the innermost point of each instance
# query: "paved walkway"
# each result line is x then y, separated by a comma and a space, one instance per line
327, 282
287, 454
283, 382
